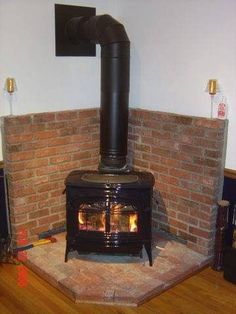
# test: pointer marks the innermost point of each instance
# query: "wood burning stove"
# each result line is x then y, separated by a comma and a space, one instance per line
109, 213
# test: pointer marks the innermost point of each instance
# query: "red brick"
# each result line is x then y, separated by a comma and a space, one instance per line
206, 162
40, 180
179, 192
178, 224
159, 168
56, 125
44, 117
19, 219
168, 179
23, 209
60, 159
47, 187
81, 155
209, 123
160, 151
57, 176
45, 134
40, 229
187, 236
22, 175
22, 191
32, 146
16, 129
48, 219
140, 163
20, 138
142, 147
80, 138
149, 157
191, 167
147, 141
89, 146
67, 115
189, 185
17, 120
25, 226
13, 148
206, 143
72, 165
161, 134
57, 192
213, 153
59, 224
179, 173
187, 218
14, 167
46, 152
48, 202
20, 156
181, 156
191, 150
88, 113
201, 198
171, 162
91, 129
59, 141
47, 170
199, 232
194, 212
193, 131
58, 209
39, 213
42, 196
32, 128
88, 162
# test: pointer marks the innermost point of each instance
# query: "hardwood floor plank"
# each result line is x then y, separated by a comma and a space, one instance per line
204, 293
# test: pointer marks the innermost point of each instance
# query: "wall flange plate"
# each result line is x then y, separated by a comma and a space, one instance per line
64, 47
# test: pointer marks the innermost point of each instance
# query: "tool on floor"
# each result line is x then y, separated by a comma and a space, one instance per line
36, 243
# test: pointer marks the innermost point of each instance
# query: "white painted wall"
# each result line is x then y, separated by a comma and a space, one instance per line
176, 46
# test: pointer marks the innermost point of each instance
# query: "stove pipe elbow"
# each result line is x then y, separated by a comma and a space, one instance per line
115, 74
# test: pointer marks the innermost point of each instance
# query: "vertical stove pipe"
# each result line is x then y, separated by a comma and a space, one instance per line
115, 68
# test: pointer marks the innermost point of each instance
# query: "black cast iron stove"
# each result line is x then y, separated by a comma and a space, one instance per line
109, 210
109, 213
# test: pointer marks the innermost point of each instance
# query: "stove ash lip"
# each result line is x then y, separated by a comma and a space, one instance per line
115, 77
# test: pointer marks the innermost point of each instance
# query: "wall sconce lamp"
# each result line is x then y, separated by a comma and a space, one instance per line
10, 88
212, 88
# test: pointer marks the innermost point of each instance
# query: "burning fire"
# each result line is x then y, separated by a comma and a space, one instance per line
92, 222
133, 223
81, 219
122, 219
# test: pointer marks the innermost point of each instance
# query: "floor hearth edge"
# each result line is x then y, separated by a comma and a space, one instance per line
114, 280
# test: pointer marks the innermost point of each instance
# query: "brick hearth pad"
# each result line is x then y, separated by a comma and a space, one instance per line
120, 280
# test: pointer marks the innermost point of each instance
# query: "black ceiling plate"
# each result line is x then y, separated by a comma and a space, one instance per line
64, 47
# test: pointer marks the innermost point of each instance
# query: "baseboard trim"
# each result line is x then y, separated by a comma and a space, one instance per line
230, 173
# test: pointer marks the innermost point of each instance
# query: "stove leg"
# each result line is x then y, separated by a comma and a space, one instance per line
148, 248
66, 254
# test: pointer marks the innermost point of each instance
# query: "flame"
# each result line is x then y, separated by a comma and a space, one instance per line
133, 223
81, 219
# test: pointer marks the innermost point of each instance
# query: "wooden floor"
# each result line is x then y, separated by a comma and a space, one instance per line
205, 293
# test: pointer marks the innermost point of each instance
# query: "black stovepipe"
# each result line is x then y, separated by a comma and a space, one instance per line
115, 72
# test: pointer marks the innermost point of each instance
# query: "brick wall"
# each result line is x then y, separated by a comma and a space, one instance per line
39, 151
186, 155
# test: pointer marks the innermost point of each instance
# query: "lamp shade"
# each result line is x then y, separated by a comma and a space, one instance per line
212, 87
10, 85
